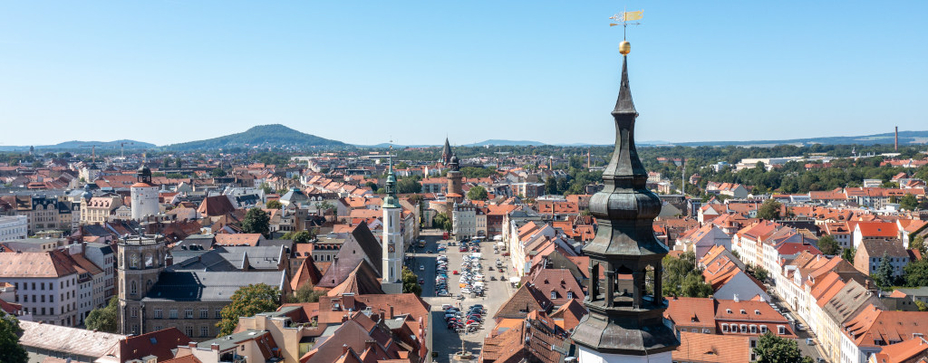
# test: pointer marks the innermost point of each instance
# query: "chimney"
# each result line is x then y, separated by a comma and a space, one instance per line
214, 347
391, 312
192, 345
369, 344
897, 139
344, 348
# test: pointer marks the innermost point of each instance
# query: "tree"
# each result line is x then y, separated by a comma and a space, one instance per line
218, 173
562, 185
256, 221
441, 221
477, 193
682, 278
105, 319
884, 273
274, 204
266, 188
408, 185
10, 350
770, 210
773, 349
411, 282
828, 245
248, 301
759, 273
178, 162
306, 294
916, 273
550, 186
848, 254
918, 244
303, 236
908, 202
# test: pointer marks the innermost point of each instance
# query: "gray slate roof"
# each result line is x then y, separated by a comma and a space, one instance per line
209, 286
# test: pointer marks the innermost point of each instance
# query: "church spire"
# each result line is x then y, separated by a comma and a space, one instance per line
626, 319
390, 200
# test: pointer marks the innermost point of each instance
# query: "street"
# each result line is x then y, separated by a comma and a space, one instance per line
807, 350
444, 341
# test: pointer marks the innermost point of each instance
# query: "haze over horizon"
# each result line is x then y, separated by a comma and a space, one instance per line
171, 72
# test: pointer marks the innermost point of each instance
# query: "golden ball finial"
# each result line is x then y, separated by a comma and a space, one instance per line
625, 47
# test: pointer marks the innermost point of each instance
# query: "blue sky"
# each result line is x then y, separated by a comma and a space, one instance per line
361, 72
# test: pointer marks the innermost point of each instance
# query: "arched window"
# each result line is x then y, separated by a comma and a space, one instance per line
134, 261
148, 286
149, 260
133, 288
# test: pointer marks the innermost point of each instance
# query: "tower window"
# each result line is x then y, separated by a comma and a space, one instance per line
133, 288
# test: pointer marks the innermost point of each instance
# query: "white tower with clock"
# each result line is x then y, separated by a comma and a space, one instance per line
393, 244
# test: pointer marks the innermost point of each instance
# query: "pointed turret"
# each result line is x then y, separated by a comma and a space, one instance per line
446, 153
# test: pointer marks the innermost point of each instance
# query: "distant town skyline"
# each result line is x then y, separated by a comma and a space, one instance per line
171, 72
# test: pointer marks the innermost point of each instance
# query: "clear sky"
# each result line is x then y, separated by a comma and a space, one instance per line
363, 71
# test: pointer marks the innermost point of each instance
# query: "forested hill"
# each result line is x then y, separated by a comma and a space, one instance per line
265, 136
905, 138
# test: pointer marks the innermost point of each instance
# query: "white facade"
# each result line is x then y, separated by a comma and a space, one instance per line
464, 220
144, 201
393, 245
52, 300
13, 227
587, 355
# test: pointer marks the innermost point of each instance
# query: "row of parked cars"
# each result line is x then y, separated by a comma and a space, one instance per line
461, 321
441, 276
472, 278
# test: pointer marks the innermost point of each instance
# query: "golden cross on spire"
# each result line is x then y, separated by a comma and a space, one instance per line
625, 19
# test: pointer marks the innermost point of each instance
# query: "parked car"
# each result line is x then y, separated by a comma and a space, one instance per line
421, 267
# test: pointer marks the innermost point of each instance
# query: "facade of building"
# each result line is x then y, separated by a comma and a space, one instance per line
13, 227
46, 285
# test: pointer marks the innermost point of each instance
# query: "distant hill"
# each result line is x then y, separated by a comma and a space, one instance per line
79, 145
905, 138
278, 136
497, 142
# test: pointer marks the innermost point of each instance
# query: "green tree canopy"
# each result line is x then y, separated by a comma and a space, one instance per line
248, 301
682, 278
770, 210
274, 204
442, 221
104, 319
773, 349
550, 186
828, 245
10, 350
256, 221
408, 185
908, 202
918, 244
477, 193
303, 236
218, 173
411, 282
916, 273
306, 294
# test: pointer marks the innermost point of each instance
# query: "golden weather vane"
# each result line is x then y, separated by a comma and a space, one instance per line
625, 19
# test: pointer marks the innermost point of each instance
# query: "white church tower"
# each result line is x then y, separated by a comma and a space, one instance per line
393, 244
144, 196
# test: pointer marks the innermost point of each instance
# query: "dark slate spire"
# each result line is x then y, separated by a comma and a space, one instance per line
446, 152
625, 318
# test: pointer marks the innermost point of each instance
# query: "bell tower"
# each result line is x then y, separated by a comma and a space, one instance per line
141, 261
626, 322
392, 241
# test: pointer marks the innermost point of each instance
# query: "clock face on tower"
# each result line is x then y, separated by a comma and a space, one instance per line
391, 248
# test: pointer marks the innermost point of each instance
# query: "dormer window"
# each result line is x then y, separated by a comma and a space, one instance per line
756, 312
743, 312
728, 311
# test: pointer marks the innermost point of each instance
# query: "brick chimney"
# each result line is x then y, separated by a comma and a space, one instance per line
192, 345
214, 347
